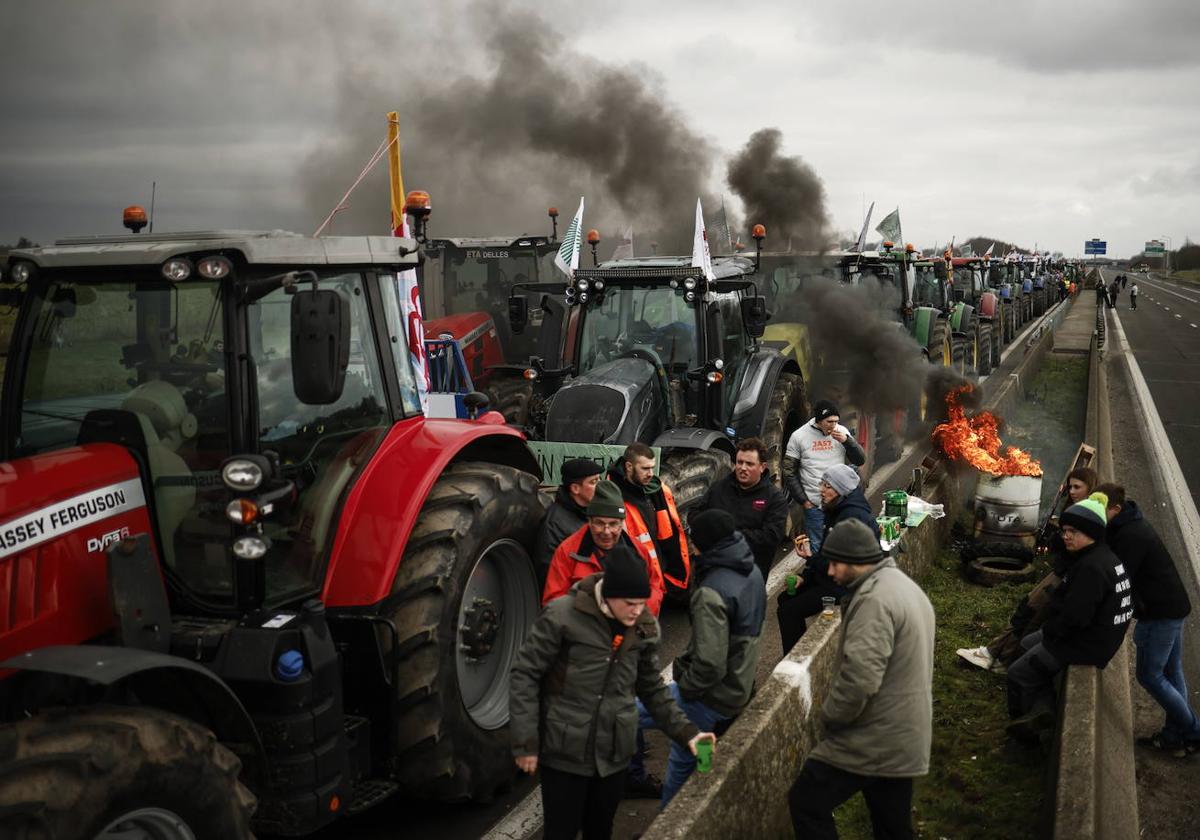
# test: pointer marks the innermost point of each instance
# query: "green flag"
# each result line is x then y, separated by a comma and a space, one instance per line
889, 228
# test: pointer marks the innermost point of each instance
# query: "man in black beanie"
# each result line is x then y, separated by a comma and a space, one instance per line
568, 513
1088, 616
819, 444
588, 659
714, 678
877, 720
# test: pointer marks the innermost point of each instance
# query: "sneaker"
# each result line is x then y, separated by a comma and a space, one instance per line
980, 657
647, 787
1159, 741
1029, 727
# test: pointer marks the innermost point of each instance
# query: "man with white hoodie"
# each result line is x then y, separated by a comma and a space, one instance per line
819, 444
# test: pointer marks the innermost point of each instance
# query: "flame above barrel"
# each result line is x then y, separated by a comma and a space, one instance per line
976, 441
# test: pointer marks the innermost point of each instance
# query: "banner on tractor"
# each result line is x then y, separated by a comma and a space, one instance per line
701, 256
550, 456
406, 281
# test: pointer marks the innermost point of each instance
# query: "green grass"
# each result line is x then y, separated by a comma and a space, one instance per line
980, 784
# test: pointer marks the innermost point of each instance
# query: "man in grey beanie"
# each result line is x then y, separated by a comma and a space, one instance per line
812, 449
842, 498
878, 714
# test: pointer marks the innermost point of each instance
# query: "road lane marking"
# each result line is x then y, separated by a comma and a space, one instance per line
1163, 462
1177, 315
1173, 292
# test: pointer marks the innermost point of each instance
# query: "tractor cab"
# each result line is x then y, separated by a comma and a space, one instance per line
195, 349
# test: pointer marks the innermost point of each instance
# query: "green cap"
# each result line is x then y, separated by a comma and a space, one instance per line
607, 502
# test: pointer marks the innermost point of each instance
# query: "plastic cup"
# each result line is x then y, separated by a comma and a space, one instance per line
827, 605
704, 756
792, 582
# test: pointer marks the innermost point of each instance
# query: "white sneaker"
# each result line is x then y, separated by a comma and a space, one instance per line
980, 657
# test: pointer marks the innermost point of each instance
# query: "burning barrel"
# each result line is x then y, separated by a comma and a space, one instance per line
1006, 508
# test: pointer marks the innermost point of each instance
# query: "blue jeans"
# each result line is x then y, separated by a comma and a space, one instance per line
1160, 671
814, 527
681, 762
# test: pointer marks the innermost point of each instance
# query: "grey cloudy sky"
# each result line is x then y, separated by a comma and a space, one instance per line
1047, 122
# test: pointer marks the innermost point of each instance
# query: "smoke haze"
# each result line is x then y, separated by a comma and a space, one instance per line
783, 193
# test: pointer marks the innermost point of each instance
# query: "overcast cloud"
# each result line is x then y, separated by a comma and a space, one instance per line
1029, 121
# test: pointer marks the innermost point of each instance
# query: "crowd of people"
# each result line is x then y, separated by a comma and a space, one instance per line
586, 685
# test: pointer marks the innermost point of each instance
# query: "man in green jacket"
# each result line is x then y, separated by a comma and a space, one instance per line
878, 715
572, 707
714, 678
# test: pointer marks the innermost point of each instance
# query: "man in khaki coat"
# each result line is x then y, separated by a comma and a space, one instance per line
878, 715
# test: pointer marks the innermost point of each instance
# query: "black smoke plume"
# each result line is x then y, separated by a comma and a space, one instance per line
782, 193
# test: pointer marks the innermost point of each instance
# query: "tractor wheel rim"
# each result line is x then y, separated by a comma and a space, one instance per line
147, 824
499, 603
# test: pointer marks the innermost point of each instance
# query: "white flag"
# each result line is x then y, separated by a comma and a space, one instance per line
701, 258
991, 248
862, 237
624, 251
567, 258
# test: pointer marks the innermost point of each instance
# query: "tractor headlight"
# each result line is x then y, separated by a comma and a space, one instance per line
690, 297
250, 548
689, 283
598, 286
582, 285
20, 272
214, 268
177, 269
242, 475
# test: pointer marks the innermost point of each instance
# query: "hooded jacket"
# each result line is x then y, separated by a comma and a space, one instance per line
571, 698
853, 505
760, 512
563, 518
878, 714
1090, 610
728, 603
809, 453
1158, 592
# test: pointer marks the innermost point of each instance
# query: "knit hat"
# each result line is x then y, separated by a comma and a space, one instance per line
1088, 516
625, 574
709, 527
823, 409
607, 501
842, 478
577, 469
853, 542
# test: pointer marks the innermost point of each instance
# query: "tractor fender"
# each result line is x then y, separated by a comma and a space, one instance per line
924, 317
691, 438
753, 400
960, 318
379, 511
989, 305
166, 682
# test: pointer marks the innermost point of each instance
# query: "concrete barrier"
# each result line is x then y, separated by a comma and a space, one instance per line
1095, 790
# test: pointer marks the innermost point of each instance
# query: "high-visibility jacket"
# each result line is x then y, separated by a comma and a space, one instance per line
577, 557
667, 526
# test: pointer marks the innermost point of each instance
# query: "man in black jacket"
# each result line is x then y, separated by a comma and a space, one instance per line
568, 513
758, 507
1160, 605
842, 498
1089, 615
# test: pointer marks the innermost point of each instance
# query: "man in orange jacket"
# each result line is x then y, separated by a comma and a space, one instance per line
651, 517
582, 553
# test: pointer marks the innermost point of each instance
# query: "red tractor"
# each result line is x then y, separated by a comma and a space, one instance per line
237, 563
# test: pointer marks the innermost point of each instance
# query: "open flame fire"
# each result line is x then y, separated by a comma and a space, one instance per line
974, 440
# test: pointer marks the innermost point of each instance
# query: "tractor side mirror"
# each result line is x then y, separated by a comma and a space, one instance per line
518, 313
320, 345
755, 315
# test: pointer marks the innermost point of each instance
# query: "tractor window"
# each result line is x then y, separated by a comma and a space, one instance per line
734, 347
629, 318
317, 444
479, 279
925, 290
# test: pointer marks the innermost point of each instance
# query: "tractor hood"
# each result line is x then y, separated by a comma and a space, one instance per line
619, 402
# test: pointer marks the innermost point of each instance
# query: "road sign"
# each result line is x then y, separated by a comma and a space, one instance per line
1095, 246
1154, 247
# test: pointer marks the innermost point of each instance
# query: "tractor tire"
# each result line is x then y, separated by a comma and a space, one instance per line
997, 331
993, 571
785, 413
689, 474
941, 351
462, 602
510, 396
958, 359
983, 341
115, 772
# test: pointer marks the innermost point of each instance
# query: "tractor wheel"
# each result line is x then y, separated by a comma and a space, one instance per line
689, 473
997, 331
112, 772
941, 350
785, 413
510, 396
983, 348
462, 602
958, 359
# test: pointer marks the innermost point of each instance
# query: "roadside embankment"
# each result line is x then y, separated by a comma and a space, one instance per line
1095, 785
761, 754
